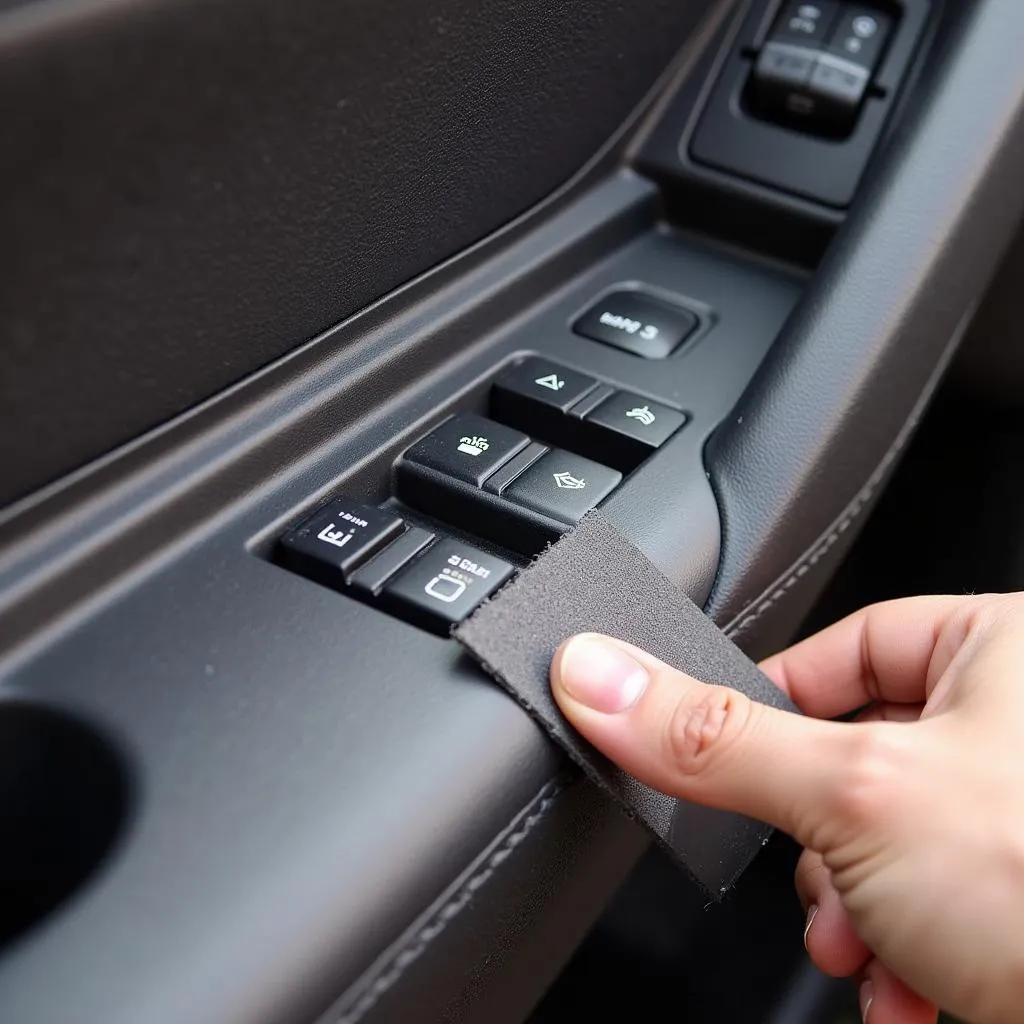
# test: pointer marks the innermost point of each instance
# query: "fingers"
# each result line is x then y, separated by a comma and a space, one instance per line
705, 743
906, 713
832, 943
887, 652
884, 999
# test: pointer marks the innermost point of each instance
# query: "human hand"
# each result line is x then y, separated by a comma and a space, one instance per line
912, 817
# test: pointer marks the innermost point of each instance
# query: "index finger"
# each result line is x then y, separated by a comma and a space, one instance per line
888, 652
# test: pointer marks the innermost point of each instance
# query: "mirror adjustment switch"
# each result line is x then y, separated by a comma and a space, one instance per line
637, 323
789, 56
781, 68
337, 538
842, 75
860, 36
837, 88
634, 424
563, 486
546, 383
467, 447
445, 584
816, 65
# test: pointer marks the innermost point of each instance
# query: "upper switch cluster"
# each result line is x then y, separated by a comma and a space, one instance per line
557, 445
817, 63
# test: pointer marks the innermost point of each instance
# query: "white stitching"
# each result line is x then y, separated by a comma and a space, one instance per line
389, 973
744, 619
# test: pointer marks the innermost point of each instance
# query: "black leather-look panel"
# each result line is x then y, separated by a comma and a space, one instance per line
489, 946
311, 773
810, 441
193, 187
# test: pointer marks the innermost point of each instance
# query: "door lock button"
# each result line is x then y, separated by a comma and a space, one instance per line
444, 585
337, 539
637, 323
563, 486
467, 447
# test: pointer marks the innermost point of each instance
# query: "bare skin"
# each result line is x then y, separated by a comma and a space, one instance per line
911, 818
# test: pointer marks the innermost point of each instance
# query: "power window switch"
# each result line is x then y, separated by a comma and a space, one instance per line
443, 586
563, 486
536, 395
336, 539
541, 382
630, 427
467, 448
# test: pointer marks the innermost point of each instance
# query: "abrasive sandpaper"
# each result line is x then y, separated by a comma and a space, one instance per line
594, 580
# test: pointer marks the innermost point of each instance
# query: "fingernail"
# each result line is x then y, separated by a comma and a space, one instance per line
867, 997
812, 913
600, 675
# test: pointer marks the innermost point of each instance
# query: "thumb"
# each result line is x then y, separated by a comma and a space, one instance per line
708, 744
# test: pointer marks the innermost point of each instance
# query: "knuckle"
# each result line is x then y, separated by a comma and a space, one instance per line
812, 878
878, 768
704, 726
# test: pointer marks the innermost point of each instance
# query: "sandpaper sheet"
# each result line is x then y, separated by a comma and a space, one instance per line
594, 580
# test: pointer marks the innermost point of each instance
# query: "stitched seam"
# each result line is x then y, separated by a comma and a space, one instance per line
397, 964
828, 540
817, 551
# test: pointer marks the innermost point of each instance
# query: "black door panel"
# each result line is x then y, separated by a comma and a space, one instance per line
325, 812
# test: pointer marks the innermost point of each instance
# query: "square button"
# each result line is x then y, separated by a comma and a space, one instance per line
546, 383
639, 419
563, 486
444, 585
638, 323
337, 539
467, 447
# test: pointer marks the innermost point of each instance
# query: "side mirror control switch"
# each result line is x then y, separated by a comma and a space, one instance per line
813, 72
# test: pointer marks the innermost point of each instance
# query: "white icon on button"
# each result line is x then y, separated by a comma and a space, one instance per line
643, 414
865, 26
445, 588
806, 19
473, 445
551, 381
330, 535
567, 482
